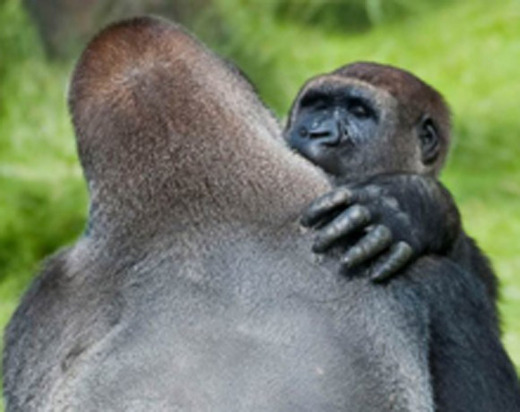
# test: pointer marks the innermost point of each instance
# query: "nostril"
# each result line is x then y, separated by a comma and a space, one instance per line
315, 134
328, 133
323, 130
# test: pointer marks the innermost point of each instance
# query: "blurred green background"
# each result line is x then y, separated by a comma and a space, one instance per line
470, 50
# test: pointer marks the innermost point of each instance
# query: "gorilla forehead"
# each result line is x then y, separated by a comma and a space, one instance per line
338, 86
332, 83
407, 88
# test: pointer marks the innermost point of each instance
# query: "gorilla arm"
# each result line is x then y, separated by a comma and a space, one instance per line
407, 216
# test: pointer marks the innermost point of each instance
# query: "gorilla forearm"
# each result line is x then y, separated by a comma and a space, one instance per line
445, 236
468, 256
443, 233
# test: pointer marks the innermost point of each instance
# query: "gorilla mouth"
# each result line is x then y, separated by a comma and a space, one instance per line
324, 151
331, 140
319, 144
342, 139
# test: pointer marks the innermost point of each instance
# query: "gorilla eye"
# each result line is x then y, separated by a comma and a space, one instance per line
429, 140
359, 109
314, 101
320, 105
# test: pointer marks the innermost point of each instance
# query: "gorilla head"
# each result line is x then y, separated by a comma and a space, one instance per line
367, 118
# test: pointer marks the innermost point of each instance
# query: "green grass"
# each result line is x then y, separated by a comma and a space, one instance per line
42, 196
467, 49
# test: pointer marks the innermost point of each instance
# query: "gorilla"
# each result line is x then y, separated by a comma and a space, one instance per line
385, 133
194, 288
382, 135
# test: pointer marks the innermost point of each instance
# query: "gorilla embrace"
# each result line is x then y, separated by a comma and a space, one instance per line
194, 288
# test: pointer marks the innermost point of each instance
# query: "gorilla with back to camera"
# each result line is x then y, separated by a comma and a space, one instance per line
195, 290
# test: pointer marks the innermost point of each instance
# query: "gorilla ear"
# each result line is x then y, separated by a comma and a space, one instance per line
429, 140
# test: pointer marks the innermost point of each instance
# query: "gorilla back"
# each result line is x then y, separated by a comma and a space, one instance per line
194, 289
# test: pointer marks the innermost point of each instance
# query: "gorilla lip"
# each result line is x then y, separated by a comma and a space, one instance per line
332, 141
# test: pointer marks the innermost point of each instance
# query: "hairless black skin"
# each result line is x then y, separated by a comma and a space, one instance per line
382, 135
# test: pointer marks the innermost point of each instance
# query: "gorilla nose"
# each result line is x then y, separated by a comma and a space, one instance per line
328, 132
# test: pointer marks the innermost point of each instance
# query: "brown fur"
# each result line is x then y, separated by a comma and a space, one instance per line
133, 102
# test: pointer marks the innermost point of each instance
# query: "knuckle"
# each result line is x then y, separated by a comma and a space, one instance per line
355, 252
338, 199
404, 245
343, 193
315, 207
334, 198
404, 249
391, 202
383, 232
373, 190
360, 213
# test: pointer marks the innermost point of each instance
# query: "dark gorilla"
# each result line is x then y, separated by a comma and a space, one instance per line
194, 289
385, 133
382, 136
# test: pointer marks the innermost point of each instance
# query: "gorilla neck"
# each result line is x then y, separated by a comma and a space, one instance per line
187, 181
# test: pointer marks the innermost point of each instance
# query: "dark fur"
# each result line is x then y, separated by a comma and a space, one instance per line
409, 99
195, 289
402, 193
417, 99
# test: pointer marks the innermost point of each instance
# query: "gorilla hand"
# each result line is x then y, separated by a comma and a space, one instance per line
392, 219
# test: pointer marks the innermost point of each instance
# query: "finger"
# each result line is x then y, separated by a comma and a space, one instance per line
399, 255
341, 196
351, 219
378, 239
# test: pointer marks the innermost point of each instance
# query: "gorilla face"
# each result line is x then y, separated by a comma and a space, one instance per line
332, 126
351, 128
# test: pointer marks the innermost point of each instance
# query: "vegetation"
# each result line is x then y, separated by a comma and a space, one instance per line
466, 49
